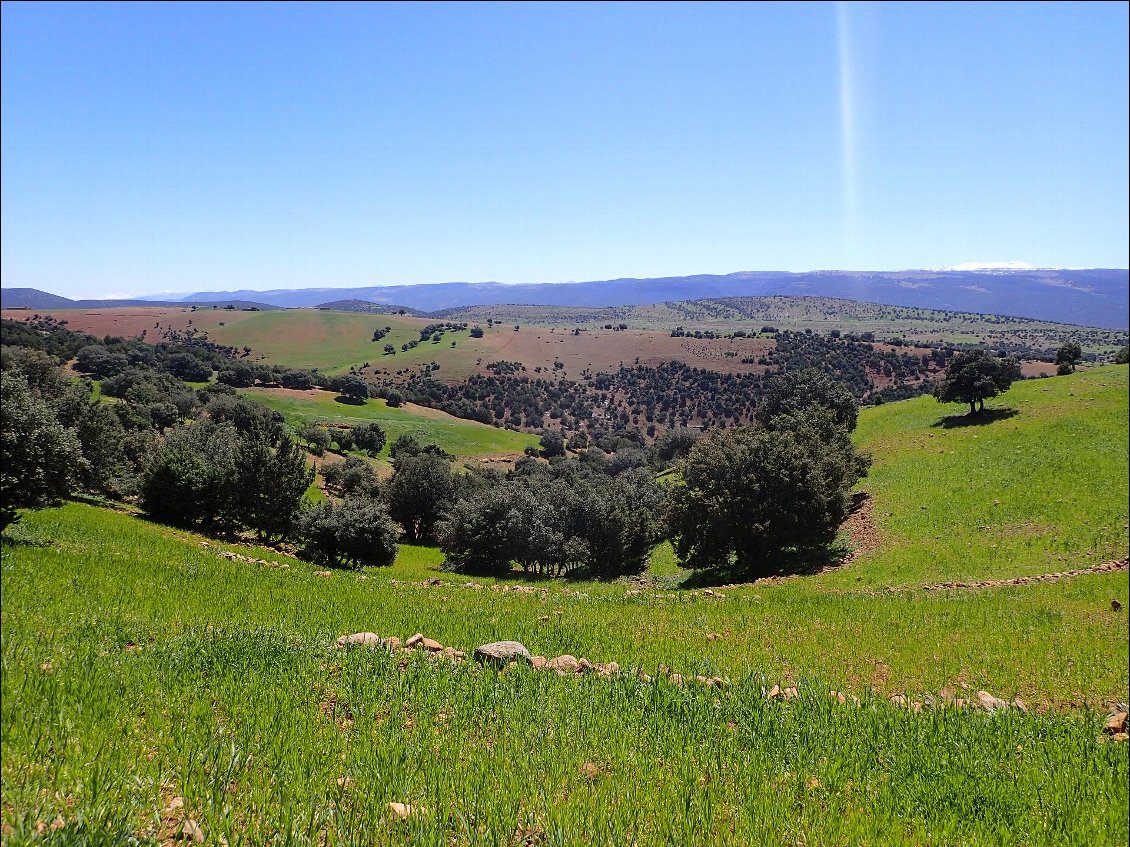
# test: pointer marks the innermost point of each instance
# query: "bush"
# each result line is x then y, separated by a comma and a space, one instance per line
422, 488
40, 459
749, 493
354, 533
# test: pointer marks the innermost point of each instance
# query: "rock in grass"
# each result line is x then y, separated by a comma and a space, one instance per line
990, 703
502, 653
1115, 724
360, 639
403, 811
422, 641
563, 664
190, 831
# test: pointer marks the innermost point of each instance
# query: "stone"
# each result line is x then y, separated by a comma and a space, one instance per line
563, 664
1115, 724
1119, 736
990, 703
791, 693
403, 811
538, 662
421, 640
1115, 606
502, 653
323, 573
190, 831
773, 693
713, 636
590, 770
362, 639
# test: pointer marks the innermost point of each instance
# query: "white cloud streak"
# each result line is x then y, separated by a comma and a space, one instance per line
848, 127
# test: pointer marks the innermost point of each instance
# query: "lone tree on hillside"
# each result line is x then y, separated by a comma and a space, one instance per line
974, 377
1067, 357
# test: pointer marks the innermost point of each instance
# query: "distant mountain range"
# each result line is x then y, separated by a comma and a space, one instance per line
1096, 297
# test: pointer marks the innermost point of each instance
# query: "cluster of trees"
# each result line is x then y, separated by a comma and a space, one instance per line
672, 394
778, 476
782, 482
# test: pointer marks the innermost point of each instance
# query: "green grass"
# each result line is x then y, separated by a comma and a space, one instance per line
456, 436
238, 703
1043, 491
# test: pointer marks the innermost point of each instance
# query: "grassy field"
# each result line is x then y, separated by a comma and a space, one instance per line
1041, 487
455, 435
141, 668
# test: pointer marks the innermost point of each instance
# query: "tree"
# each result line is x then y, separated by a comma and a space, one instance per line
552, 444
354, 533
192, 479
184, 365
476, 331
749, 492
269, 485
351, 476
370, 438
421, 489
974, 377
40, 459
352, 387
795, 391
675, 443
1122, 357
1068, 355
317, 438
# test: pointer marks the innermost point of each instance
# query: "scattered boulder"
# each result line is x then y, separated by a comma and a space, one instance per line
1115, 724
190, 831
502, 653
403, 811
990, 703
323, 573
538, 662
366, 639
591, 770
563, 664
419, 640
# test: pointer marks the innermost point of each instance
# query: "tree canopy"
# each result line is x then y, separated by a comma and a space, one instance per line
975, 376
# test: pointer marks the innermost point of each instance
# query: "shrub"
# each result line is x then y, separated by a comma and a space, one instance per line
40, 459
354, 533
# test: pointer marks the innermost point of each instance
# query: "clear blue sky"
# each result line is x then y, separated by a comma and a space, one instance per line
166, 147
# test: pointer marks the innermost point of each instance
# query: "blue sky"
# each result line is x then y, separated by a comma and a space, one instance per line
167, 147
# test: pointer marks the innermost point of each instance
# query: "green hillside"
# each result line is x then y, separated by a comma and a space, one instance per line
1042, 490
455, 435
147, 679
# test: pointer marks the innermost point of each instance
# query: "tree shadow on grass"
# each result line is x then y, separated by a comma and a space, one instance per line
349, 401
794, 561
979, 419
